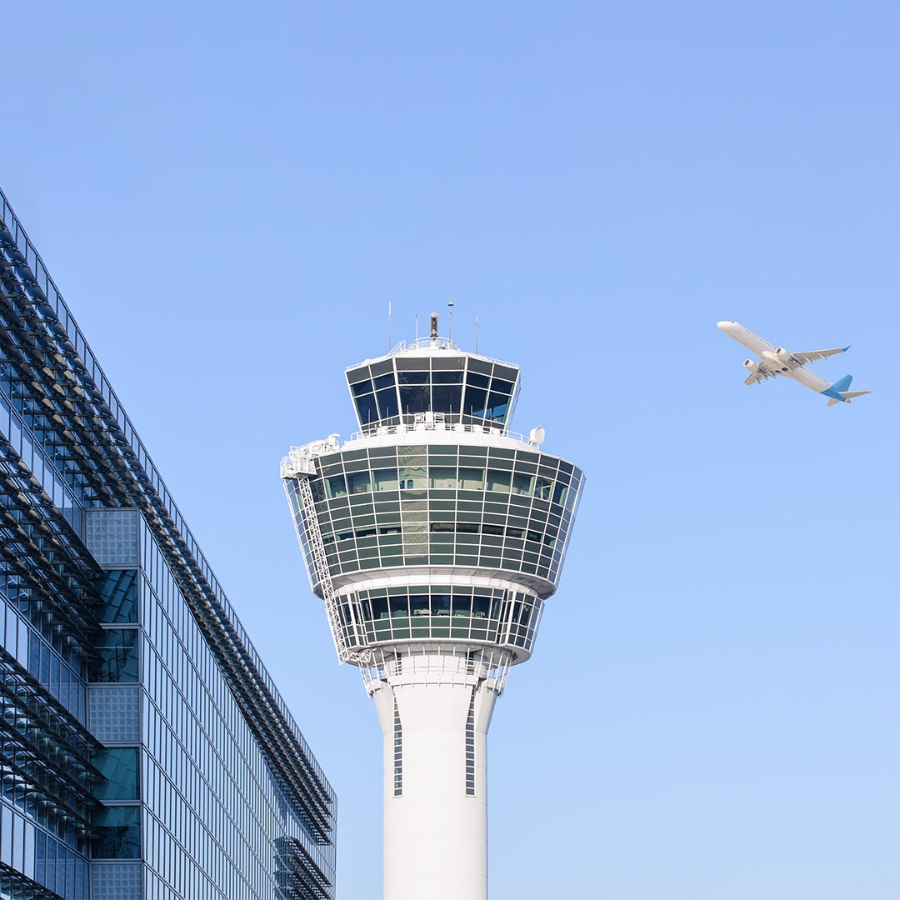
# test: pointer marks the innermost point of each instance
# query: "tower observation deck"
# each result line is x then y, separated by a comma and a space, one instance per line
434, 536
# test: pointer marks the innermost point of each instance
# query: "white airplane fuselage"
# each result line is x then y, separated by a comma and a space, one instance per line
769, 356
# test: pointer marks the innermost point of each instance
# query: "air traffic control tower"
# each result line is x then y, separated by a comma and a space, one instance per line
434, 536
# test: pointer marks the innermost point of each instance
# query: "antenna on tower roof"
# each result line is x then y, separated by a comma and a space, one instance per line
389, 326
476, 334
434, 326
450, 326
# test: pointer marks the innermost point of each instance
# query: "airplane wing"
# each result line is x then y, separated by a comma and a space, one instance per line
757, 376
813, 355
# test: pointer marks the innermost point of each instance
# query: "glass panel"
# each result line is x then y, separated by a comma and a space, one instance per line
414, 399
462, 606
399, 606
364, 387
118, 651
385, 480
335, 486
440, 604
412, 477
384, 381
471, 479
481, 607
383, 367
359, 482
387, 403
447, 398
442, 478
379, 608
498, 481
360, 374
475, 402
120, 832
366, 409
542, 488
498, 404
412, 377
522, 483
559, 494
119, 766
119, 592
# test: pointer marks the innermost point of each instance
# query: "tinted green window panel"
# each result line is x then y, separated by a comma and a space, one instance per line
359, 482
385, 480
119, 830
498, 480
119, 768
471, 479
119, 592
412, 478
118, 656
522, 484
442, 478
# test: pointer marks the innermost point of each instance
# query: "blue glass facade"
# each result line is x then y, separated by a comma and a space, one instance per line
144, 750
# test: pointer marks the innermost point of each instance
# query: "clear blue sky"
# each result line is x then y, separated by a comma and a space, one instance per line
229, 194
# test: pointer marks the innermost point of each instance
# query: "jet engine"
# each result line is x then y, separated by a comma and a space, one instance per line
783, 355
751, 365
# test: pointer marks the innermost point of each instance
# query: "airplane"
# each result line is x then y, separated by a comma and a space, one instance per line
778, 361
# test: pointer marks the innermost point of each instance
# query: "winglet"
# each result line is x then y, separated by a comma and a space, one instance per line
845, 349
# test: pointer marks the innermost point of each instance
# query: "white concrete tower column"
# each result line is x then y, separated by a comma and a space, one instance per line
435, 711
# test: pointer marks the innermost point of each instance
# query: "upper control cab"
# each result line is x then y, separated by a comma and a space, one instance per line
432, 380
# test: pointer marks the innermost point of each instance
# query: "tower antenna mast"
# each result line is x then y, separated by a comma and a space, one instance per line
450, 325
389, 326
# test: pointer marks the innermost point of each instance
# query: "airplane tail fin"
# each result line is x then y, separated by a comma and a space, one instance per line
842, 384
838, 392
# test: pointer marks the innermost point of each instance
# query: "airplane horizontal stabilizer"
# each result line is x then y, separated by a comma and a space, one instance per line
849, 395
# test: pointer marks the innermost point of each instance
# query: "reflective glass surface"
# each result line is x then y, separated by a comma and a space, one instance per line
458, 387
440, 612
445, 505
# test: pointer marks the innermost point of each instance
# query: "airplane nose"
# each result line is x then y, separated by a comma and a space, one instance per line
725, 325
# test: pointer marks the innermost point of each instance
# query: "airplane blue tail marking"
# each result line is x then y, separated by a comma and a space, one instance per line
841, 384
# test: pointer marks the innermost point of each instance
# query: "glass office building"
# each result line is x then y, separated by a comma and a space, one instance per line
144, 750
